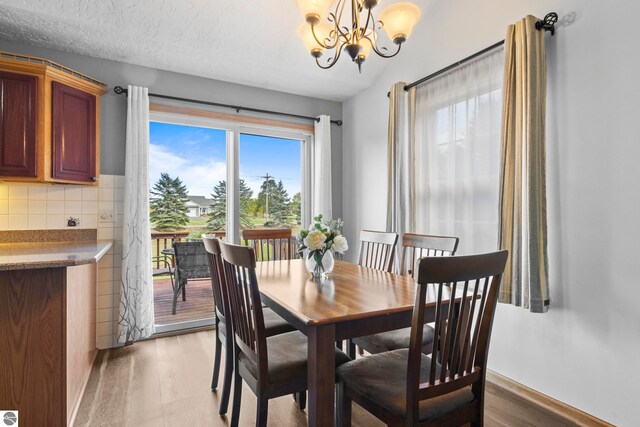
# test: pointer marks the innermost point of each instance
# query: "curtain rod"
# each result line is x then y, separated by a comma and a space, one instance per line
546, 24
120, 90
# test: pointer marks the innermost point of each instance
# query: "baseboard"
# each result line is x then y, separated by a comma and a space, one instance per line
543, 402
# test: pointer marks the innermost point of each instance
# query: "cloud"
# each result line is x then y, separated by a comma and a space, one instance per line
200, 175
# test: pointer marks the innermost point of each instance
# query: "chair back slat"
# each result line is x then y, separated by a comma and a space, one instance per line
417, 246
377, 249
466, 290
270, 244
212, 246
244, 300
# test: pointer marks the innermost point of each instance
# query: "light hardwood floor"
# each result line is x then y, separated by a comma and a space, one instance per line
166, 382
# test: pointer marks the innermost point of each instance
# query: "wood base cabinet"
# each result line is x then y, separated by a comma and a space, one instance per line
49, 122
47, 325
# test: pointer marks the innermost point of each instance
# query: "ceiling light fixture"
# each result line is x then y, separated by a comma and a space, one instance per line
358, 40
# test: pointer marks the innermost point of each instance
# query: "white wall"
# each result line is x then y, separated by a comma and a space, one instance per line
582, 351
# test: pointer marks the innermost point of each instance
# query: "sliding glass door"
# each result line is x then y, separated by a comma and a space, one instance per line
215, 177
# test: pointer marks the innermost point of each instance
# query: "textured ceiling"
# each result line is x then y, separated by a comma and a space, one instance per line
251, 42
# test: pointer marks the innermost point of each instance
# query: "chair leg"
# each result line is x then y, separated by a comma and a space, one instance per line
216, 363
262, 411
176, 292
226, 382
184, 292
237, 397
351, 349
343, 412
301, 399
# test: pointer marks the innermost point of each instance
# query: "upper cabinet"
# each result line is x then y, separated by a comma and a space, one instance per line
18, 124
49, 122
74, 134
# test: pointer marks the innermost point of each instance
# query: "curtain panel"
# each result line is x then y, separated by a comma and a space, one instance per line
322, 202
523, 210
401, 161
136, 320
457, 136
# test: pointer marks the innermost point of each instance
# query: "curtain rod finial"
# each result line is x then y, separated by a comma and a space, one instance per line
119, 90
548, 23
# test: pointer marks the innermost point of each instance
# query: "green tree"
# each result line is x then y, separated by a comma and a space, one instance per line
218, 216
275, 200
295, 207
168, 204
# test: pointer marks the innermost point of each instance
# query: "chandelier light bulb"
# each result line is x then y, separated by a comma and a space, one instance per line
314, 10
310, 43
398, 20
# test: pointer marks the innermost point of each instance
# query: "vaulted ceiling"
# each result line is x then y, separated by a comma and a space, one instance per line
250, 42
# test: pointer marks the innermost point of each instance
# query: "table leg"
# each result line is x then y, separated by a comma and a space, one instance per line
321, 374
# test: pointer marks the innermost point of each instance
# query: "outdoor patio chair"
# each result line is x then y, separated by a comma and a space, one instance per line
192, 262
164, 267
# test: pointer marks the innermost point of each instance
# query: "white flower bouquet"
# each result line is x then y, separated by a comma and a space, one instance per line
319, 242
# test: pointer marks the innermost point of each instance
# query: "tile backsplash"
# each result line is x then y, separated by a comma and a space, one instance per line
48, 207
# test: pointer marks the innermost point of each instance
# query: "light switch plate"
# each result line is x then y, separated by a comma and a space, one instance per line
106, 216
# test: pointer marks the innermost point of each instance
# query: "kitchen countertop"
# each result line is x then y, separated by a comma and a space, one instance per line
25, 256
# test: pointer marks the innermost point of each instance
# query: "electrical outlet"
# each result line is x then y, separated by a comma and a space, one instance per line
106, 216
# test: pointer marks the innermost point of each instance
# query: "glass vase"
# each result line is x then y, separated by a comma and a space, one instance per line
319, 270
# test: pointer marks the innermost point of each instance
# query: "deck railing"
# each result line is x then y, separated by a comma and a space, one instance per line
164, 239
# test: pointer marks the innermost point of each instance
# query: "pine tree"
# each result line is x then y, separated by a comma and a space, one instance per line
218, 216
295, 208
168, 205
275, 200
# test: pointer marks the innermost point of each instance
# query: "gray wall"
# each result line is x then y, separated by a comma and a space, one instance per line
114, 107
579, 351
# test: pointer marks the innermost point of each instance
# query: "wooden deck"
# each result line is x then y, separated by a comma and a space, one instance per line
199, 303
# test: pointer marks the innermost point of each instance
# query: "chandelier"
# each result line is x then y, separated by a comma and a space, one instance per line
357, 37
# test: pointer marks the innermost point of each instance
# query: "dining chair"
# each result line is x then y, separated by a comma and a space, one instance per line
407, 387
377, 249
274, 324
271, 366
414, 247
270, 244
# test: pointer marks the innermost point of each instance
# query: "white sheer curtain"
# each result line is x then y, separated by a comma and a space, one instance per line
458, 124
322, 168
136, 291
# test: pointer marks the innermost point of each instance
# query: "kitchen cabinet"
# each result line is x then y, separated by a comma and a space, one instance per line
48, 327
49, 122
18, 107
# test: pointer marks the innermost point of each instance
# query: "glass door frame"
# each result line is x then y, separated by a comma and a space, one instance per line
233, 131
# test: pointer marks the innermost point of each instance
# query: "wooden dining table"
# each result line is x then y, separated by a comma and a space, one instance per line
354, 301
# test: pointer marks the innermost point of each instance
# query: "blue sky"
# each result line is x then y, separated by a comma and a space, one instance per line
198, 157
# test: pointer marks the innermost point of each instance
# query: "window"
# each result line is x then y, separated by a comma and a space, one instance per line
458, 153
225, 176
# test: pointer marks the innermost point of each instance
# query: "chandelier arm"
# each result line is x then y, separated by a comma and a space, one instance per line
337, 16
333, 61
324, 45
364, 29
376, 50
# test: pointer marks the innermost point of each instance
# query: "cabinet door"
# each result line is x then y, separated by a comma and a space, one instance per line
18, 111
74, 134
